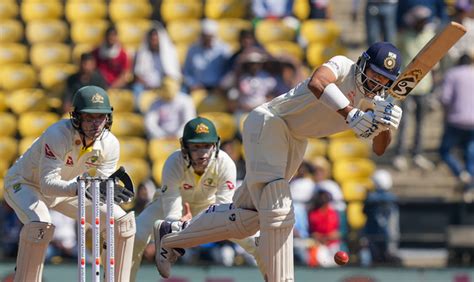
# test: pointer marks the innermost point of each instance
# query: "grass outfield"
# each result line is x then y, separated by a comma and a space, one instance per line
68, 272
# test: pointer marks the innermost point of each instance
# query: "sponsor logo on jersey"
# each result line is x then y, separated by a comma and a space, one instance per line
92, 160
48, 153
187, 186
209, 182
230, 185
69, 161
16, 187
202, 128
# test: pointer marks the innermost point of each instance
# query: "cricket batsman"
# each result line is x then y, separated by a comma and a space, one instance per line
199, 174
44, 178
275, 137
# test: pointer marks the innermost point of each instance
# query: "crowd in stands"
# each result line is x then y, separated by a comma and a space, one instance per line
221, 63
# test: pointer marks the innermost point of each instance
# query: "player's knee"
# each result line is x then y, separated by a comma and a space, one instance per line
275, 207
243, 223
38, 232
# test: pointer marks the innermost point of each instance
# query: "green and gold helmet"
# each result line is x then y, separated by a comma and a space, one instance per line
91, 99
200, 130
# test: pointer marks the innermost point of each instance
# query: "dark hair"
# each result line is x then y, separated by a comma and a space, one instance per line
246, 33
110, 29
87, 56
465, 59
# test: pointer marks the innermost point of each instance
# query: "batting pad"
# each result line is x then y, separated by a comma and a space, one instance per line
276, 232
34, 240
124, 238
217, 223
144, 226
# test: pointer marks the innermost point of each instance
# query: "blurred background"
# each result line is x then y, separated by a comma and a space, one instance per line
405, 216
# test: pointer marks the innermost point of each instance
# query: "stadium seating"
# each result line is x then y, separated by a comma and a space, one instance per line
83, 10
3, 101
17, 76
182, 50
8, 124
13, 53
88, 31
184, 31
350, 148
8, 9
41, 10
219, 9
147, 98
8, 149
80, 49
32, 124
27, 100
318, 53
44, 54
229, 29
128, 124
24, 144
137, 168
129, 10
356, 189
172, 10
320, 30
122, 100
225, 123
11, 30
344, 134
301, 9
278, 48
212, 103
53, 77
344, 170
132, 32
46, 31
355, 215
133, 147
160, 149
271, 30
4, 166
315, 148
156, 170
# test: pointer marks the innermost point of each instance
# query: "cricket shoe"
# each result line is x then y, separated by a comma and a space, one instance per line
164, 257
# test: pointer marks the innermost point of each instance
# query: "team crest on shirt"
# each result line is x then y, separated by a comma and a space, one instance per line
202, 128
187, 186
97, 98
48, 152
209, 182
69, 161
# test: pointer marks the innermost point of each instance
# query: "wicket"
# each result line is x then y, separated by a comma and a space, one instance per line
110, 225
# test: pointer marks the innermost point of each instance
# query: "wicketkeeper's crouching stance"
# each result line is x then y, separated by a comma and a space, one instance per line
275, 137
44, 178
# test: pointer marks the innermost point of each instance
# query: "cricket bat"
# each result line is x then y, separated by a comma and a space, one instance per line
426, 59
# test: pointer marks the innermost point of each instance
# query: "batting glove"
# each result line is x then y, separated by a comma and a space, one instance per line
387, 113
364, 124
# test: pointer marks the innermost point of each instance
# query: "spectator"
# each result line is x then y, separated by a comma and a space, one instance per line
380, 20
87, 75
234, 149
155, 59
288, 71
168, 115
382, 226
113, 61
144, 195
463, 14
319, 9
246, 41
417, 33
438, 16
324, 228
263, 9
253, 82
10, 227
458, 103
206, 61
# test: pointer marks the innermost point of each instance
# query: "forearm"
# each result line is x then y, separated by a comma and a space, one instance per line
381, 142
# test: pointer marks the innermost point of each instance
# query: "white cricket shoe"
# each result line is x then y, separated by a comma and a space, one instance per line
164, 257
